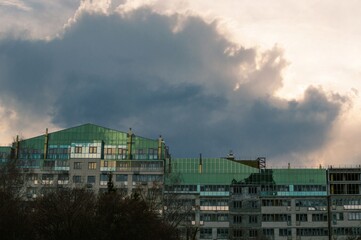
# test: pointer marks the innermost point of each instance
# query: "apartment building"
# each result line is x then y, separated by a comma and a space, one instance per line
86, 156
281, 204
345, 201
218, 198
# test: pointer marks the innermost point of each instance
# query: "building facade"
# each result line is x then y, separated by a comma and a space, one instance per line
85, 156
220, 198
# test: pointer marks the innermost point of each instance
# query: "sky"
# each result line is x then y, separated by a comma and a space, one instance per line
278, 79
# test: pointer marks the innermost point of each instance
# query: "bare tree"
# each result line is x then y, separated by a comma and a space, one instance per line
13, 213
130, 218
179, 209
65, 214
11, 179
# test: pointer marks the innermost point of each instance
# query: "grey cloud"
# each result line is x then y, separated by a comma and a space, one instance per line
136, 71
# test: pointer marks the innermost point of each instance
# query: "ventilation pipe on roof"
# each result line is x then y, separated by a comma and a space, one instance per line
130, 143
46, 140
200, 163
230, 155
17, 147
160, 141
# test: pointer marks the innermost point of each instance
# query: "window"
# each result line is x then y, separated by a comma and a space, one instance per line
214, 217
252, 190
52, 150
237, 219
77, 165
206, 233
345, 189
301, 217
350, 202
350, 231
92, 149
268, 232
285, 232
104, 177
78, 149
222, 233
253, 233
309, 188
207, 217
110, 151
147, 178
237, 189
153, 153
222, 217
49, 164
92, 165
311, 203
121, 178
122, 153
319, 217
276, 217
62, 163
353, 189
237, 233
283, 188
253, 219
345, 177
179, 188
91, 179
214, 204
214, 188
354, 216
237, 204
276, 202
63, 179
32, 177
253, 204
47, 179
76, 179
312, 232
337, 216
105, 163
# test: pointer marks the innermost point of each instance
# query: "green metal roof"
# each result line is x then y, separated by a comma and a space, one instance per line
4, 149
5, 153
299, 176
223, 171
85, 133
88, 133
211, 171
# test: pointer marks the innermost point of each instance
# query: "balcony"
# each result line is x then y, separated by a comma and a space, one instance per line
47, 182
214, 208
63, 182
140, 166
107, 169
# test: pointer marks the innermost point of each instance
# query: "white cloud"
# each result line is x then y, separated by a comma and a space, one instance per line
151, 65
20, 5
35, 19
133, 68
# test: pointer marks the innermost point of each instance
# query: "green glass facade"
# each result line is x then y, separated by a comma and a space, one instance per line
210, 170
62, 144
5, 154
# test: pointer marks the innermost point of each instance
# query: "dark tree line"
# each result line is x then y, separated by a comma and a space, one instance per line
76, 214
80, 214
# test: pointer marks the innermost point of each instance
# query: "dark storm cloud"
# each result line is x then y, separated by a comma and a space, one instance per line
163, 75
